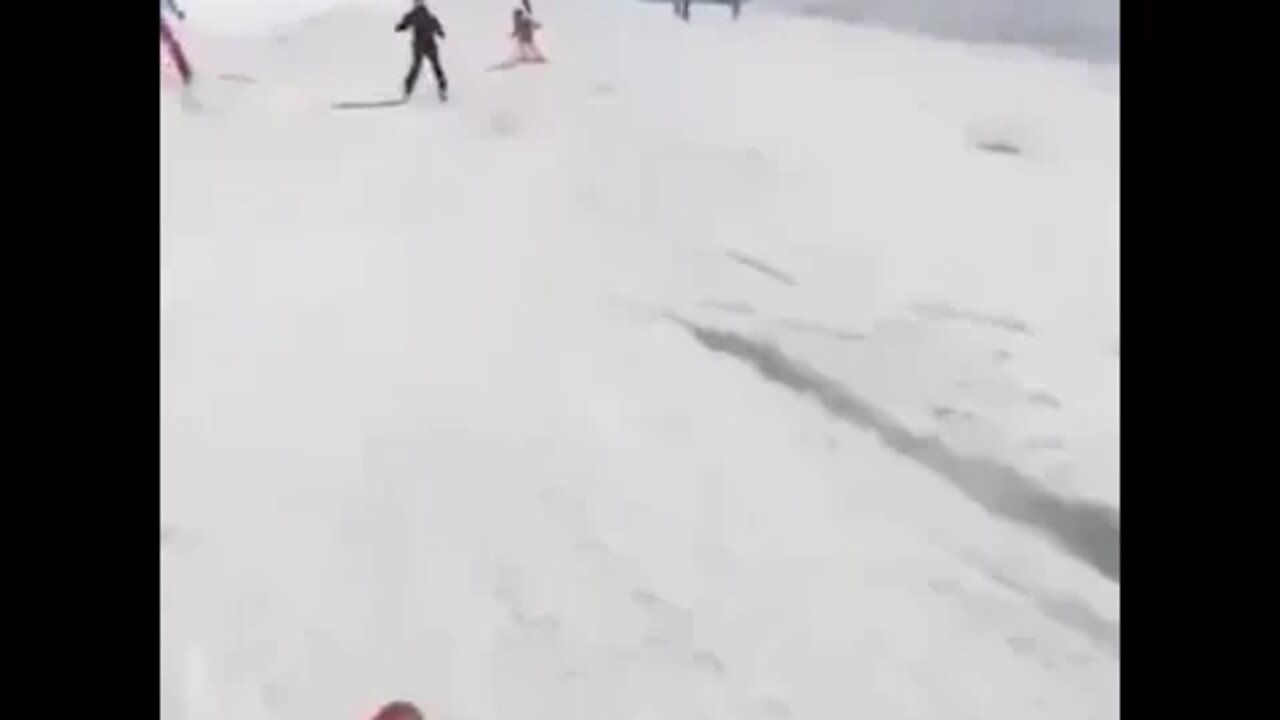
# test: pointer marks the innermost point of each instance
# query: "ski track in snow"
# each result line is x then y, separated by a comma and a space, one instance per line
427, 430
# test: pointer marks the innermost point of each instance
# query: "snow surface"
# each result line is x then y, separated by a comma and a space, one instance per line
435, 424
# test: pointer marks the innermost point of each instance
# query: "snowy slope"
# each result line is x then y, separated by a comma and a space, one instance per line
710, 371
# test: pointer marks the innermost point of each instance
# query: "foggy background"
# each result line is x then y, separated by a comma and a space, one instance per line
1083, 29
1087, 29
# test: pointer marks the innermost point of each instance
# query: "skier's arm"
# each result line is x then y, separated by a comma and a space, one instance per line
438, 29
404, 23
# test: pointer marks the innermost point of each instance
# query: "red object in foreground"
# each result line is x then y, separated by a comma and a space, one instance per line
399, 710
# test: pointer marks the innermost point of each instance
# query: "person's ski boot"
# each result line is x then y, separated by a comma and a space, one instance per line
443, 94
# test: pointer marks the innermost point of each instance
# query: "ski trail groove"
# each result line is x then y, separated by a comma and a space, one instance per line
1088, 530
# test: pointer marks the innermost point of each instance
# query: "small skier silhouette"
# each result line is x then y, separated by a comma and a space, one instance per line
682, 8
523, 28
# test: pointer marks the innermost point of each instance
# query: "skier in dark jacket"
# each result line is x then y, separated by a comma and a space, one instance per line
426, 28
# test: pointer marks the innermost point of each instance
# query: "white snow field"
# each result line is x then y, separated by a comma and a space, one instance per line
710, 371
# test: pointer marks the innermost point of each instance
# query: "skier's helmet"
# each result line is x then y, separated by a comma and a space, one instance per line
400, 709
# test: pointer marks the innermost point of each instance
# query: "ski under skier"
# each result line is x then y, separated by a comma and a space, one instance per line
426, 28
170, 42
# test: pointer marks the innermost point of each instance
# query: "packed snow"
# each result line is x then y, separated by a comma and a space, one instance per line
756, 370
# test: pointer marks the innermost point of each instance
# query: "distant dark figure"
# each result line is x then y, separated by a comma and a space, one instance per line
426, 28
682, 8
523, 31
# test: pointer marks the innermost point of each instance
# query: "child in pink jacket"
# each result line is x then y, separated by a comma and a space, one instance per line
524, 26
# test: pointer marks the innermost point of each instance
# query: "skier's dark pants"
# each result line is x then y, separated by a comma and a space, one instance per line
430, 53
